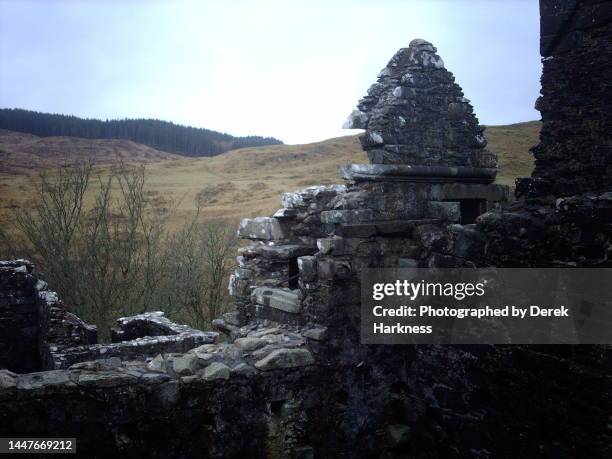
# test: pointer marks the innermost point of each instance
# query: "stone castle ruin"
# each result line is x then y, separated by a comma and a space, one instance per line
285, 374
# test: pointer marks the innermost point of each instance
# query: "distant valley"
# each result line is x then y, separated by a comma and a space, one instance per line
238, 183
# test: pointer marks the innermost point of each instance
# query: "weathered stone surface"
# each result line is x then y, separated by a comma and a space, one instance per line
459, 191
279, 251
448, 211
286, 213
216, 370
7, 379
263, 228
285, 358
264, 351
238, 287
277, 298
573, 155
185, 365
154, 378
207, 352
232, 318
416, 114
244, 369
18, 317
100, 364
38, 382
308, 268
316, 333
356, 120
331, 245
347, 216
417, 173
310, 195
34, 324
249, 343
157, 364
105, 379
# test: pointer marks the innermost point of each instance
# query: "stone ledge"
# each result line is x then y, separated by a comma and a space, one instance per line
409, 173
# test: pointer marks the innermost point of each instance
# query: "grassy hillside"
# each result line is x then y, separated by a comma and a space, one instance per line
239, 183
512, 144
22, 153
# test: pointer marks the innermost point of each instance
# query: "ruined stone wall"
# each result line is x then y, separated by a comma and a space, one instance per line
18, 318
575, 150
564, 215
163, 389
289, 377
39, 333
138, 338
59, 330
129, 410
35, 323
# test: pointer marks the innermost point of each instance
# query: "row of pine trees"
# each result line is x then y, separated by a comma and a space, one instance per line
162, 135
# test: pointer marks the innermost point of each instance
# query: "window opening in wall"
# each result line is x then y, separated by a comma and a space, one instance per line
470, 209
293, 273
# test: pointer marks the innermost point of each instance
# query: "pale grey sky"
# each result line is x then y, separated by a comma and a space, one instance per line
288, 68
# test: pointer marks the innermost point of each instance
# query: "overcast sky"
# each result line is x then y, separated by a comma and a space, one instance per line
289, 69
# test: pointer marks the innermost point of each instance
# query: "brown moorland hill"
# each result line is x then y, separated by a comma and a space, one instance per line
22, 153
239, 183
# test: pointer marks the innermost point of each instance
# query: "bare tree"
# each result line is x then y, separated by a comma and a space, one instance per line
52, 225
117, 256
198, 264
219, 246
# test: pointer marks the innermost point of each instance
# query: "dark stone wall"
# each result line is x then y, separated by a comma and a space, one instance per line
457, 401
18, 318
34, 324
574, 231
37, 332
113, 413
575, 150
59, 330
